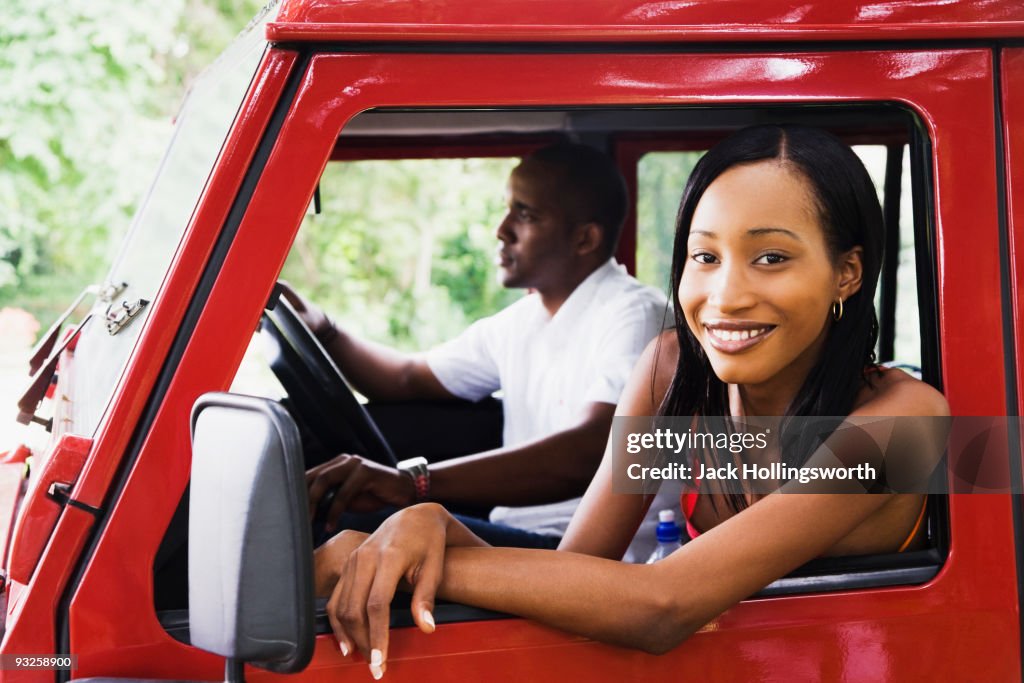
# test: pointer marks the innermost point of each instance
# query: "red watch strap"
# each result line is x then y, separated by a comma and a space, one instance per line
422, 484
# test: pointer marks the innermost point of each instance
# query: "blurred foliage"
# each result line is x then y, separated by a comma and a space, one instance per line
660, 180
402, 251
90, 88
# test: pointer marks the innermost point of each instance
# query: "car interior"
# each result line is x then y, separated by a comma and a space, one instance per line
655, 147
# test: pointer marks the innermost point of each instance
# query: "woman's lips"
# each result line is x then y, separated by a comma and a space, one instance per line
736, 336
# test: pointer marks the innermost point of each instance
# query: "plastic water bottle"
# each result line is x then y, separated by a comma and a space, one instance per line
669, 535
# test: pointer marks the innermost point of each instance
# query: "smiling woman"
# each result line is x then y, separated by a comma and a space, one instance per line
776, 258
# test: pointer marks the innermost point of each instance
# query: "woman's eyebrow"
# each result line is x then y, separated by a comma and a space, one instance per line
753, 232
758, 232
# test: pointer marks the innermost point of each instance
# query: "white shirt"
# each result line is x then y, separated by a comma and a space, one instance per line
550, 367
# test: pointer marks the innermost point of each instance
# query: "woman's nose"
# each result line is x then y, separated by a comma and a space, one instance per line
731, 289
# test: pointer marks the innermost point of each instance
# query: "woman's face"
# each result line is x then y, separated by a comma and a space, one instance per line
758, 285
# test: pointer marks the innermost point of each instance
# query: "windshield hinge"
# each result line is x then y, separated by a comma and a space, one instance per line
111, 290
119, 317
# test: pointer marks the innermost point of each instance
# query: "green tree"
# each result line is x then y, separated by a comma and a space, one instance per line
90, 89
660, 178
403, 250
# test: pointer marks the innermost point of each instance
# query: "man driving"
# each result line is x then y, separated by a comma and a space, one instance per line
560, 355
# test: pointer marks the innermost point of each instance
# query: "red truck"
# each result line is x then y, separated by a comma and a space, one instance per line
935, 90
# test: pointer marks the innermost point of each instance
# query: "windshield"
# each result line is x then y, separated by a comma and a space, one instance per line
200, 130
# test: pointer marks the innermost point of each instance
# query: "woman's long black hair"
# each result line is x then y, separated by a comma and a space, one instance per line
850, 215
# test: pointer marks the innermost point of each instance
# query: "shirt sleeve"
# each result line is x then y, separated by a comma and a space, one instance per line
632, 325
466, 365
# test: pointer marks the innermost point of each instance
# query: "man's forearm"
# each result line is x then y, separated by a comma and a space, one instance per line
551, 469
381, 373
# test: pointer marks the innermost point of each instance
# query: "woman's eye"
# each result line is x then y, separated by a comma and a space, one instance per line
704, 257
771, 259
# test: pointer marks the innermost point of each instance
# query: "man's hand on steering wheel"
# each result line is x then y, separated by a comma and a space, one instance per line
297, 335
362, 486
318, 322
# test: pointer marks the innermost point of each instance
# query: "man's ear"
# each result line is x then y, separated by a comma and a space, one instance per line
851, 272
589, 237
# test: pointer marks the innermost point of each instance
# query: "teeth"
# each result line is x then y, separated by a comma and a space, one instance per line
737, 335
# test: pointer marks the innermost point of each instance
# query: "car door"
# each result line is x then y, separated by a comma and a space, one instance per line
953, 625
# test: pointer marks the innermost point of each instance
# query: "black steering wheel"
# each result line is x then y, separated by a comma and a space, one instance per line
317, 389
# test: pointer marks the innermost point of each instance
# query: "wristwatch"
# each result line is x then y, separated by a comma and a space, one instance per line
417, 469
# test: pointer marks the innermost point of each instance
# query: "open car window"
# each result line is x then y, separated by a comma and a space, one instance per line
399, 245
399, 251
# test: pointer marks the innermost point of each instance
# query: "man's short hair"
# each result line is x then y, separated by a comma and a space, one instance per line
591, 188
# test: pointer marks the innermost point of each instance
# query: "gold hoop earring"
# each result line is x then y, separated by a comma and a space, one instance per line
837, 309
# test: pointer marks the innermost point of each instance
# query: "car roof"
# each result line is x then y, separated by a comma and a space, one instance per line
644, 20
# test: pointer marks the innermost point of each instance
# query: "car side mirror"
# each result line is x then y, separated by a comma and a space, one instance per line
250, 569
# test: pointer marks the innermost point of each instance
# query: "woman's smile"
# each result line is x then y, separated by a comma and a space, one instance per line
736, 336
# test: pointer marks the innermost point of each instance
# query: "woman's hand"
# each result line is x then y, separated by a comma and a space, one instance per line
409, 546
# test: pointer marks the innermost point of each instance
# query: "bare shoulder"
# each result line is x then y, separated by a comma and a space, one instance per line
652, 376
665, 359
894, 392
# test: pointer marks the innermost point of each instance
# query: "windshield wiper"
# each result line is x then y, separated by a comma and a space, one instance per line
41, 380
45, 354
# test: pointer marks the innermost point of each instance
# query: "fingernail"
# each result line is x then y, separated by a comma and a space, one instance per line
376, 661
428, 619
344, 648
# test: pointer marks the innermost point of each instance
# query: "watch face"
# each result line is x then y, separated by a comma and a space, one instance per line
413, 464
417, 469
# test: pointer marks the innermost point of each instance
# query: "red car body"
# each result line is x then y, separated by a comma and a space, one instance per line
80, 576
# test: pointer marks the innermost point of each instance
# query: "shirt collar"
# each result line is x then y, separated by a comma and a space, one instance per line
581, 297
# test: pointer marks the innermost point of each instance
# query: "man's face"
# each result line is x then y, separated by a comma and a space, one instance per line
536, 237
